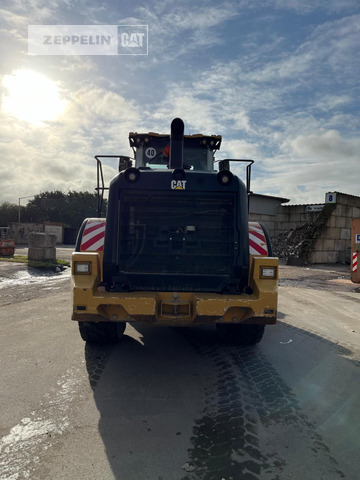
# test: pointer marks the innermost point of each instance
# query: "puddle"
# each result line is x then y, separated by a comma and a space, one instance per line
30, 276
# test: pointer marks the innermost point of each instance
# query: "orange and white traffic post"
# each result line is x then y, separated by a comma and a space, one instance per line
355, 251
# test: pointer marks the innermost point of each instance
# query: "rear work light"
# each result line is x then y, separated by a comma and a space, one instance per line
82, 268
224, 177
132, 175
268, 272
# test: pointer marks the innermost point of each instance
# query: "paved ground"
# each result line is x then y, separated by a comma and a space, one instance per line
178, 404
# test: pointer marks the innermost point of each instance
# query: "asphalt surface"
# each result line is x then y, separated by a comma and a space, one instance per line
179, 404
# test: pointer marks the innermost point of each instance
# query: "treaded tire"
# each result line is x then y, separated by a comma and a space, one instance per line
240, 334
101, 332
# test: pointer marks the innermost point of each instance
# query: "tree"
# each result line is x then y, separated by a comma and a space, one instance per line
8, 213
70, 208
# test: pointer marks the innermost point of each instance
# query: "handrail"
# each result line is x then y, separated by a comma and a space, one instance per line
224, 164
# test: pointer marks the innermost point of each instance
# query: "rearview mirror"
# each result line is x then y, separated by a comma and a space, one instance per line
124, 162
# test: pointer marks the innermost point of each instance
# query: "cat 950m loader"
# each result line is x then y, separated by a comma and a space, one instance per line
176, 248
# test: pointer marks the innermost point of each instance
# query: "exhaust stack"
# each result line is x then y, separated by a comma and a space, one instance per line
176, 144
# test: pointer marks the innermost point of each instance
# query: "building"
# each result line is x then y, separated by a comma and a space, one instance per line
264, 208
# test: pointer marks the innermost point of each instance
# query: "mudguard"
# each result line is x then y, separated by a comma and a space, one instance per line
91, 235
259, 241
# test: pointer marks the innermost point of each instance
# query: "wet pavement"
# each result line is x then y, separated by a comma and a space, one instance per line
179, 403
19, 282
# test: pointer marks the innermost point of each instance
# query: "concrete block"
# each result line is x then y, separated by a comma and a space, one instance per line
344, 211
356, 212
332, 257
342, 199
337, 211
318, 245
332, 233
345, 234
312, 257
340, 245
282, 210
42, 240
298, 209
295, 217
281, 217
42, 253
348, 222
332, 221
328, 245
285, 226
341, 257
321, 257
347, 211
340, 222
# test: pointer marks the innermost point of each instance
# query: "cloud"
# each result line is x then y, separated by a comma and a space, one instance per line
286, 98
307, 6
240, 149
310, 165
184, 28
59, 155
325, 146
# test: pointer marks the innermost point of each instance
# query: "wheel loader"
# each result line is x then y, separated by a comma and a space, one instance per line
176, 247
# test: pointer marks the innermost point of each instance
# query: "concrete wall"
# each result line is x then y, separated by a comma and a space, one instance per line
290, 217
20, 231
335, 242
263, 209
330, 243
267, 220
287, 217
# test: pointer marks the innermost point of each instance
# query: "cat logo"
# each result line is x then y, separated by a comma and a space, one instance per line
178, 184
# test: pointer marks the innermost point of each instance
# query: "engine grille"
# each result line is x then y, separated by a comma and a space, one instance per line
181, 233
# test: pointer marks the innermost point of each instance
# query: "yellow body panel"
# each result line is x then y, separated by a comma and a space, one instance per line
91, 302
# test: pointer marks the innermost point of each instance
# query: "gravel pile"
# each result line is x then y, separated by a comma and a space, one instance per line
295, 245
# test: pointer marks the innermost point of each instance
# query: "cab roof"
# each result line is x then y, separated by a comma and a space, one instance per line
197, 140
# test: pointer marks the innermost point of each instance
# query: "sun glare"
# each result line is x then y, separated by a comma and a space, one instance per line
32, 97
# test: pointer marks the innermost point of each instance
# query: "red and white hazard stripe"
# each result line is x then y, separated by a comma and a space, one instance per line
93, 236
257, 240
355, 262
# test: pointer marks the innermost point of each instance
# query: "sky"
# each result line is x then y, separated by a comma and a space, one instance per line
278, 79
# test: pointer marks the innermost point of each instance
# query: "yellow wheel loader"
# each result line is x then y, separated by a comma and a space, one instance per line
176, 247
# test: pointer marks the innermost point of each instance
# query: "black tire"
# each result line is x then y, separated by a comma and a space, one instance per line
240, 334
101, 332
